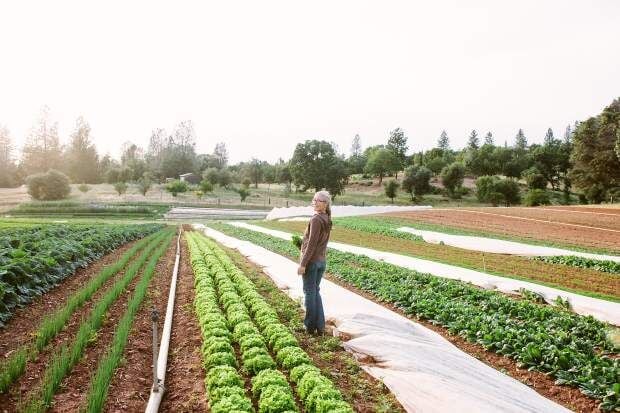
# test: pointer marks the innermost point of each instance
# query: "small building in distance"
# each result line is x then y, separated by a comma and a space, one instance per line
190, 178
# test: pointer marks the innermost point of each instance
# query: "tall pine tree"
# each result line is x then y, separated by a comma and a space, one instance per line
488, 139
42, 150
81, 157
443, 142
473, 142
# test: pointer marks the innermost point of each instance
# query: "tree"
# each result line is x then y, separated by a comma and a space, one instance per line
206, 186
315, 165
179, 154
144, 184
81, 156
42, 150
534, 179
211, 175
549, 137
482, 161
397, 143
243, 193
356, 146
224, 178
120, 187
220, 153
175, 187
509, 190
536, 197
381, 161
452, 177
132, 158
155, 153
568, 134
254, 170
49, 186
8, 169
83, 188
473, 142
391, 188
443, 142
357, 160
417, 181
596, 166
520, 141
488, 139
494, 190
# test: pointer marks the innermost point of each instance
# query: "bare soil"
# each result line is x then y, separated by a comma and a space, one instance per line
185, 390
513, 226
131, 385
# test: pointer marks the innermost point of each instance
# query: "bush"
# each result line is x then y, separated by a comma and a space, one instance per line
246, 183
206, 186
452, 177
83, 188
120, 188
417, 181
243, 193
175, 187
48, 186
144, 185
391, 188
495, 191
535, 197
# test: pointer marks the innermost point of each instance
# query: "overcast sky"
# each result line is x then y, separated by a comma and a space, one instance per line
264, 75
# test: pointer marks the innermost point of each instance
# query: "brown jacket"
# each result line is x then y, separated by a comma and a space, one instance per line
314, 245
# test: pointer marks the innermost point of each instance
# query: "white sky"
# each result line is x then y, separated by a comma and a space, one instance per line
264, 75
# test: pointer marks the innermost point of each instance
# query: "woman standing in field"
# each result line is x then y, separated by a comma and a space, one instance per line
312, 263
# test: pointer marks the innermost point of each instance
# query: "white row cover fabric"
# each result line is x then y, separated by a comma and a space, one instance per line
498, 246
423, 370
342, 210
603, 310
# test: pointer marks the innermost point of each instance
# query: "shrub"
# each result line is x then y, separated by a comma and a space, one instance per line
206, 186
417, 181
452, 177
243, 193
83, 188
535, 197
494, 190
534, 179
144, 185
120, 188
176, 187
391, 188
246, 183
48, 186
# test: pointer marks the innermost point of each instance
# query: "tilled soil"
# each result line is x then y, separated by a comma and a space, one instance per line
35, 368
185, 390
600, 220
131, 384
512, 226
72, 393
25, 320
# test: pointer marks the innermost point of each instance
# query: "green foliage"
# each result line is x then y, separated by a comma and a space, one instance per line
417, 181
36, 258
83, 188
534, 179
243, 193
452, 177
120, 188
391, 189
276, 399
596, 165
48, 186
397, 143
206, 186
495, 190
296, 240
176, 187
374, 226
611, 267
536, 197
315, 164
381, 162
571, 348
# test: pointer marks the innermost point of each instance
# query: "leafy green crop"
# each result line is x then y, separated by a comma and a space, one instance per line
611, 267
33, 259
374, 226
572, 348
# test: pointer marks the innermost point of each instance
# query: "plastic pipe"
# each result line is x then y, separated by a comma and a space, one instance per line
157, 390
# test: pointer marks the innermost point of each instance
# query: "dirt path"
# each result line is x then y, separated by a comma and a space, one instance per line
493, 224
185, 391
25, 320
131, 385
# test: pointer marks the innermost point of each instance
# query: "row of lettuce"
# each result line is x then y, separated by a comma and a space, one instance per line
576, 350
233, 315
33, 259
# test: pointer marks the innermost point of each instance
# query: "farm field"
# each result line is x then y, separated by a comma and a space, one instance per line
492, 224
382, 235
574, 351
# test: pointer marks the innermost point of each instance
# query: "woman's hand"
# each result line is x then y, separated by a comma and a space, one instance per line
301, 270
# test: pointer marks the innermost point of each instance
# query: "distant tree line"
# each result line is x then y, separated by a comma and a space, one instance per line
585, 159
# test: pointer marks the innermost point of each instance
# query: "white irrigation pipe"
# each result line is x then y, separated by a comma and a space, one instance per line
157, 391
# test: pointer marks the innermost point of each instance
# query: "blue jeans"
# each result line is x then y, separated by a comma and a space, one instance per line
315, 319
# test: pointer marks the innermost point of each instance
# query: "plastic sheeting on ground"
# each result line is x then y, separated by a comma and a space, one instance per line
342, 211
498, 246
423, 370
603, 310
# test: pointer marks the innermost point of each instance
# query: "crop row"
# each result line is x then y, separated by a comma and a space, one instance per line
13, 366
68, 355
611, 267
572, 348
33, 259
374, 226
258, 333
